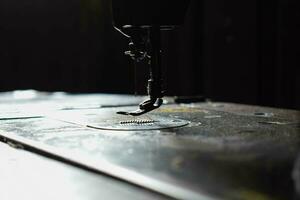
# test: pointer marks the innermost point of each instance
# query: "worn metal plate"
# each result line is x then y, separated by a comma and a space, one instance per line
219, 153
151, 122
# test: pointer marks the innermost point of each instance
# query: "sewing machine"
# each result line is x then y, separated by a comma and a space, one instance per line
62, 146
141, 23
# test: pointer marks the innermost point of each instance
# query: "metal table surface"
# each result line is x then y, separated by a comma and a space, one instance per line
28, 176
227, 151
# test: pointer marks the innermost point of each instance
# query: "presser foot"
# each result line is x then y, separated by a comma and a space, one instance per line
145, 107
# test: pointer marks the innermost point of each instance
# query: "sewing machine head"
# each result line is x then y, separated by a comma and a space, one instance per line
141, 22
149, 12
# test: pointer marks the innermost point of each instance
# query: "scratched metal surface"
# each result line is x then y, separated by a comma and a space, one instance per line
228, 151
31, 103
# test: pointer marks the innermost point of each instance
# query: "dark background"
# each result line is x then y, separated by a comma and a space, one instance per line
237, 51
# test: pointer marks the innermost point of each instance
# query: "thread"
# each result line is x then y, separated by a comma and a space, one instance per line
138, 122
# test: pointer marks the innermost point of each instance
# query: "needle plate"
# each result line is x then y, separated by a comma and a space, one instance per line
138, 124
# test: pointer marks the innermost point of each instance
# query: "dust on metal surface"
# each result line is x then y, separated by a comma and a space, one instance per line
230, 153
